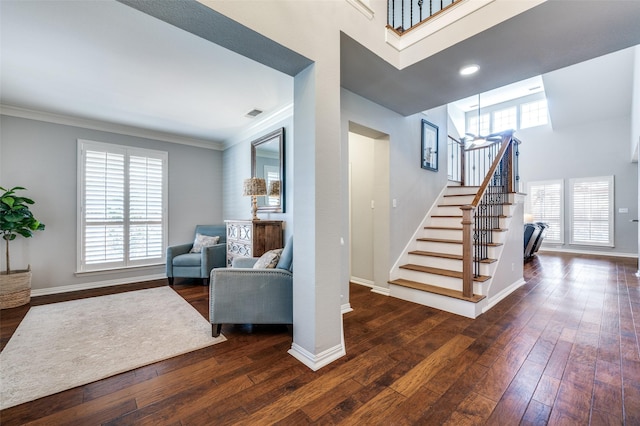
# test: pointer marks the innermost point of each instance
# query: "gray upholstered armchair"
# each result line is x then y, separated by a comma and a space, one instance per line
244, 295
182, 263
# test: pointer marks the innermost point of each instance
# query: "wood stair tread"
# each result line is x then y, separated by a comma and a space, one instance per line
448, 228
443, 272
446, 255
437, 290
442, 240
460, 205
451, 228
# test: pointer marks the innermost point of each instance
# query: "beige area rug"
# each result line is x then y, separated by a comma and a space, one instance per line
63, 345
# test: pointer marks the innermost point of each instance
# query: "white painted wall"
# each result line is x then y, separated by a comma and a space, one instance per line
42, 157
593, 149
361, 161
509, 270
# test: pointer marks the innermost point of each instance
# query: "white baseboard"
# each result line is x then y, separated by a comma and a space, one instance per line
362, 281
316, 362
504, 293
96, 284
345, 308
374, 288
552, 249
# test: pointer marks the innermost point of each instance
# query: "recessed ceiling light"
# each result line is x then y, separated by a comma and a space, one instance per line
469, 69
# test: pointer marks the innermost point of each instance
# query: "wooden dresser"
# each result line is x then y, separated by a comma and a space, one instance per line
252, 238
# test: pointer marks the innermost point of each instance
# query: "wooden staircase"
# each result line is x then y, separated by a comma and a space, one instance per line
430, 272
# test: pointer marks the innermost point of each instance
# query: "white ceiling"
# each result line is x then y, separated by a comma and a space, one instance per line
593, 90
90, 59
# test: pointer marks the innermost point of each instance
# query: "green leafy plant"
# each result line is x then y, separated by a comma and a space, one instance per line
16, 218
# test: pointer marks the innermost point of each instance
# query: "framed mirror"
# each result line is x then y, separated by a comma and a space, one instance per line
267, 162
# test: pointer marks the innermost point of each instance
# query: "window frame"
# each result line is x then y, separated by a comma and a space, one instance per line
127, 262
610, 208
529, 208
522, 114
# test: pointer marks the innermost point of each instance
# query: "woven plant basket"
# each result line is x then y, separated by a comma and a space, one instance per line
15, 289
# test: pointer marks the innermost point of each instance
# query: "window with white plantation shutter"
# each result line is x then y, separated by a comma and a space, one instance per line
122, 197
545, 201
592, 211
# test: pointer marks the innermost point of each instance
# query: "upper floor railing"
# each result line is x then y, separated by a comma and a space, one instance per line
403, 15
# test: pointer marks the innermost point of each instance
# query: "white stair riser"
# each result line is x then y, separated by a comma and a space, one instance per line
453, 222
448, 210
432, 279
441, 281
454, 190
444, 263
460, 199
449, 304
449, 248
447, 234
450, 222
440, 247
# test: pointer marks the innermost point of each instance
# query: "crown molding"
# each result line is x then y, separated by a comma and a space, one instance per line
107, 127
260, 126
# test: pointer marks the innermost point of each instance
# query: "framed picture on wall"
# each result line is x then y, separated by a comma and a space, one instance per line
429, 157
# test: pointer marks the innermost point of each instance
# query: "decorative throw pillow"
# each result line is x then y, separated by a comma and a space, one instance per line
269, 260
203, 241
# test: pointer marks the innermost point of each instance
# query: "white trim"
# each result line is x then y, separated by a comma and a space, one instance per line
117, 270
346, 308
259, 126
104, 126
504, 293
374, 288
435, 24
95, 284
552, 249
362, 281
611, 187
362, 7
384, 291
529, 208
316, 362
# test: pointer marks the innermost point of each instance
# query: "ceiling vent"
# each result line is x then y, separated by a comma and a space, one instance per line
253, 113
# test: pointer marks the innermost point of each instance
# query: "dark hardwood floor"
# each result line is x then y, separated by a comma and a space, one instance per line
562, 349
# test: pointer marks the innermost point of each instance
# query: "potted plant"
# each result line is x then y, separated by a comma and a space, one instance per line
15, 219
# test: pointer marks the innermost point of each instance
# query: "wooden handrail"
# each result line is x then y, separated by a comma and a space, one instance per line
468, 213
506, 141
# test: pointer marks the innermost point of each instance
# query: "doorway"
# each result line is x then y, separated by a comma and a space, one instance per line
369, 207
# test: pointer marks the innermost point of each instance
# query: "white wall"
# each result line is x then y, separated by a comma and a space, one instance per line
593, 149
362, 176
42, 157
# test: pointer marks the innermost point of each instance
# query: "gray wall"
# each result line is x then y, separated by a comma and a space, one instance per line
593, 149
41, 156
413, 188
237, 167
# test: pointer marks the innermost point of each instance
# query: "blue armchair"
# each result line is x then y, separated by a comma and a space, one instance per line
182, 263
244, 295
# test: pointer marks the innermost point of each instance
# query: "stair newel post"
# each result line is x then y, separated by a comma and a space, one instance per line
467, 250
